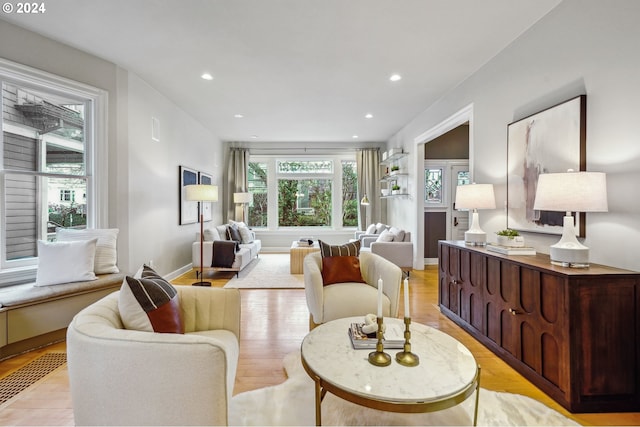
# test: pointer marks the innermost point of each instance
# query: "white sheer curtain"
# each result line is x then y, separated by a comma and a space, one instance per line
236, 180
368, 165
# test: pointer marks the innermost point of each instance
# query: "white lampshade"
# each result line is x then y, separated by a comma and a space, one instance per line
201, 193
572, 192
242, 197
475, 196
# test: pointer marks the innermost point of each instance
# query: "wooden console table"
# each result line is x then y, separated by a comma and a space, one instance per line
574, 333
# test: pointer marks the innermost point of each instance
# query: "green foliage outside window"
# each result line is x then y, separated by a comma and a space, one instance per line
349, 194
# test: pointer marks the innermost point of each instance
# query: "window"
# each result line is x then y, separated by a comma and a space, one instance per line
349, 194
433, 186
318, 192
257, 178
49, 129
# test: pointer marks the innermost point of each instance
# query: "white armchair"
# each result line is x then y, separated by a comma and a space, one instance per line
341, 300
127, 377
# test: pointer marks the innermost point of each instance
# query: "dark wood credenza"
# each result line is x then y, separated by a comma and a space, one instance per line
574, 333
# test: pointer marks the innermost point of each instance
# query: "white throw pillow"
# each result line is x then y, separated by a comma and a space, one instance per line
371, 229
64, 262
380, 227
106, 253
385, 236
398, 234
209, 235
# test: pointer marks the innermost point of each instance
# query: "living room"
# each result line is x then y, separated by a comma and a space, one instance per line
577, 48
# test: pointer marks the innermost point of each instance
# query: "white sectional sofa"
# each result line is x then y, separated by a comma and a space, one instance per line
248, 248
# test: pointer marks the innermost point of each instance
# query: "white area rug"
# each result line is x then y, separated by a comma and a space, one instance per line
269, 271
292, 403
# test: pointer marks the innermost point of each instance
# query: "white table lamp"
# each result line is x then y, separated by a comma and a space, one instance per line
475, 196
201, 193
571, 192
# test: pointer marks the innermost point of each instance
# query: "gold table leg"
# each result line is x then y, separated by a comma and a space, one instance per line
475, 411
318, 403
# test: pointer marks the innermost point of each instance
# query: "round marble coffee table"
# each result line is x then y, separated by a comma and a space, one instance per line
446, 376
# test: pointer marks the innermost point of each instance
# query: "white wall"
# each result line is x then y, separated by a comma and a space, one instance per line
153, 177
581, 47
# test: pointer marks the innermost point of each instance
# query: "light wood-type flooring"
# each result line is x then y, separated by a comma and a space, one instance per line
274, 322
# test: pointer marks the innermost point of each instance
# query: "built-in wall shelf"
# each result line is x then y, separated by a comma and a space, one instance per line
394, 178
394, 157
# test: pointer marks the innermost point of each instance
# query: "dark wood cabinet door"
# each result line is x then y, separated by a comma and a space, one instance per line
449, 278
542, 321
607, 348
473, 276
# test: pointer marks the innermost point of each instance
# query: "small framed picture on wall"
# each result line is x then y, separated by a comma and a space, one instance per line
188, 210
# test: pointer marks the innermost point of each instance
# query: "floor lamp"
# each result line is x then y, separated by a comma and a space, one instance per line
242, 199
201, 193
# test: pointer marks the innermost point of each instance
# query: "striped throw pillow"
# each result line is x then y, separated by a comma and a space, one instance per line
348, 249
106, 253
150, 303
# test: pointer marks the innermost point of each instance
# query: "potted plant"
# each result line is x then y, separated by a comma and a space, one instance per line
395, 169
395, 189
510, 237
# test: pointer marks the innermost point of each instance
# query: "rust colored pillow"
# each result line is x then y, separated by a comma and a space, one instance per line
340, 269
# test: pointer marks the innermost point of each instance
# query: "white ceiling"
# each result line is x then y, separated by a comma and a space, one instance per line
298, 70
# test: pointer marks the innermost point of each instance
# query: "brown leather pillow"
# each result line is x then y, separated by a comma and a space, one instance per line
340, 269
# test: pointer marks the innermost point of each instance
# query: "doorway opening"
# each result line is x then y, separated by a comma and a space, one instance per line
446, 165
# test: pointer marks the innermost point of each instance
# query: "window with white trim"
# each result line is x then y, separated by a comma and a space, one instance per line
303, 192
48, 153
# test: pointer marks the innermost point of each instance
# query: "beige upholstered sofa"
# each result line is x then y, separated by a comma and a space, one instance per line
341, 300
127, 377
399, 250
248, 250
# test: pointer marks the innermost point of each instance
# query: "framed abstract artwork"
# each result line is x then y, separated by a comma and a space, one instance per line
207, 179
552, 140
188, 210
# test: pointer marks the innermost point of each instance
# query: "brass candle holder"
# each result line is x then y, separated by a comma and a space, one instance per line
406, 357
379, 357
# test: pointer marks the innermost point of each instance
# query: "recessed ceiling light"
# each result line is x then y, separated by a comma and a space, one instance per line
207, 76
355, 137
238, 116
368, 116
395, 77
254, 136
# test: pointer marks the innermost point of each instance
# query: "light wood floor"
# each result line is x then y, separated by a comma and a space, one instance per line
274, 322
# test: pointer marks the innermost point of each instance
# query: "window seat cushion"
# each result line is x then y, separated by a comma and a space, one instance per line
27, 293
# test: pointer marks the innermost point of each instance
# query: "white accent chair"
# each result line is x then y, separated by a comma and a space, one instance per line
348, 299
127, 377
